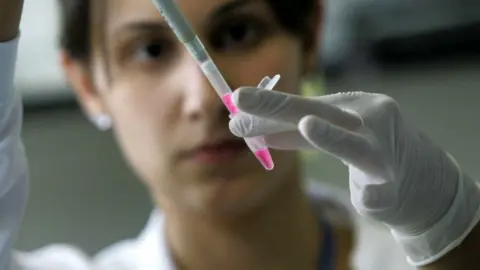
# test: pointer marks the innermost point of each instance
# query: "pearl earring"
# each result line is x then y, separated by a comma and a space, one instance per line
101, 121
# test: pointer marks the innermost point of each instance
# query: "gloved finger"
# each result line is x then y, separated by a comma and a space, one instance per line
341, 143
290, 108
247, 125
290, 140
375, 201
342, 97
370, 195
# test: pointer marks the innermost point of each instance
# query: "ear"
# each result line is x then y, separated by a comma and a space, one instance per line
78, 75
312, 40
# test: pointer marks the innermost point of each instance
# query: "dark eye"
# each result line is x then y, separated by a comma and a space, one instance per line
238, 34
153, 51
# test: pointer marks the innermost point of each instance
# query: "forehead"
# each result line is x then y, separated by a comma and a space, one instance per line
121, 12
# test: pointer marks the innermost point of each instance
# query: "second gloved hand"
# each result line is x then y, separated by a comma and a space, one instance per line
397, 175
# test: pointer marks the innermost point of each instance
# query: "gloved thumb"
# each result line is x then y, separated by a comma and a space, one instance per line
346, 145
246, 125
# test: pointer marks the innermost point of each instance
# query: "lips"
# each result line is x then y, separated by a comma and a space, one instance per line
220, 152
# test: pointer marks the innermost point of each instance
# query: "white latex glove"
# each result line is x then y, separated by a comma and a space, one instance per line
397, 175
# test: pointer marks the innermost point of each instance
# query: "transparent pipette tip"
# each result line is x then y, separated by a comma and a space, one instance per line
271, 82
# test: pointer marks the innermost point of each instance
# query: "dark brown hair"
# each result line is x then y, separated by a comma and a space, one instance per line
75, 36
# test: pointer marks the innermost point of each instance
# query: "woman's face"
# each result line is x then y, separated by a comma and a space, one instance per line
169, 122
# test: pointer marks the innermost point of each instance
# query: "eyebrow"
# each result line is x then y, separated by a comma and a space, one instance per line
229, 7
146, 26
155, 26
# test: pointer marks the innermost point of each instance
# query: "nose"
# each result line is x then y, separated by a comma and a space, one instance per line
201, 100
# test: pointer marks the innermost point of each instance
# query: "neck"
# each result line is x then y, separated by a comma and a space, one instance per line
283, 234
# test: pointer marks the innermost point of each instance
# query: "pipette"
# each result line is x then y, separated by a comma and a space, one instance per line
184, 32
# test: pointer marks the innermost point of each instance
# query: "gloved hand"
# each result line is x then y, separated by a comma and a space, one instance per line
397, 175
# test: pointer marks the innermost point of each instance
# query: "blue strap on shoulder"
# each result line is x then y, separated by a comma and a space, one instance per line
327, 256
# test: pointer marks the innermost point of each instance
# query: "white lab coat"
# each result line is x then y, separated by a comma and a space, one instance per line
376, 250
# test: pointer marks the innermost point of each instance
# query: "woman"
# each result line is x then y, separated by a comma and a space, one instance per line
219, 208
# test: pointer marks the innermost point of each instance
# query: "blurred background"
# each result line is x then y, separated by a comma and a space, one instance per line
424, 53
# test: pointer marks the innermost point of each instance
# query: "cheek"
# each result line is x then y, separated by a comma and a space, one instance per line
144, 117
142, 107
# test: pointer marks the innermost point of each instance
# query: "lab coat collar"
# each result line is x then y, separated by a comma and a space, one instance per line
152, 251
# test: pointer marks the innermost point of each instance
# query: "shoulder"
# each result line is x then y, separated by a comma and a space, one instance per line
147, 251
129, 254
373, 246
58, 256
143, 252
119, 256
123, 255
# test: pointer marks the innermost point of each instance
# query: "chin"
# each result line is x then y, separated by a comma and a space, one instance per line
236, 197
238, 191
